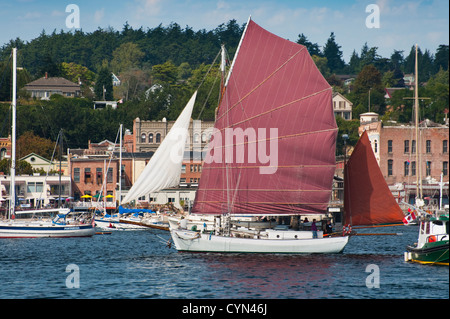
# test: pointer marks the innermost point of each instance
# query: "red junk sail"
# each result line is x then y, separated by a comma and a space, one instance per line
367, 198
273, 146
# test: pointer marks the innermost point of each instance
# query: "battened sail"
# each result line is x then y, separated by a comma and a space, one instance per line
273, 146
164, 168
367, 198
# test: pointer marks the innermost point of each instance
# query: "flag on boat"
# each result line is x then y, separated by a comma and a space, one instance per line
409, 218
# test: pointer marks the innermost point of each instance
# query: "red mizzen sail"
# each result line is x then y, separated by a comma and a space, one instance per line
274, 95
367, 198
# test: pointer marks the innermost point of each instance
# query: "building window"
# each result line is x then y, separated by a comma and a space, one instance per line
413, 146
445, 168
406, 168
389, 146
376, 146
445, 146
406, 150
390, 165
99, 176
183, 168
196, 138
150, 138
158, 138
76, 174
428, 146
35, 187
428, 168
109, 177
143, 138
413, 168
87, 175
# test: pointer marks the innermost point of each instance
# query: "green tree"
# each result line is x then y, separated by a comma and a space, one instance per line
322, 65
368, 85
332, 51
313, 48
165, 73
76, 72
103, 85
127, 56
441, 58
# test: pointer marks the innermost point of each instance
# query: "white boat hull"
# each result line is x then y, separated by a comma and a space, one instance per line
38, 230
115, 224
185, 240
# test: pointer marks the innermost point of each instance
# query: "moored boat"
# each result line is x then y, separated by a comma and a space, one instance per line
14, 227
59, 227
432, 246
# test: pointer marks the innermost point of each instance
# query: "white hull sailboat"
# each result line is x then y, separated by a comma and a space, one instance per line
274, 100
277, 241
59, 227
17, 228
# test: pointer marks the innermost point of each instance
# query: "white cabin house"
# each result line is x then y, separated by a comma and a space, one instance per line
342, 106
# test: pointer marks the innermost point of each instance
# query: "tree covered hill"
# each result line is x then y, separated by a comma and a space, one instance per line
178, 60
93, 50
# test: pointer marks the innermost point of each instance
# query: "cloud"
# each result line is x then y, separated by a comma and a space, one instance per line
98, 15
31, 15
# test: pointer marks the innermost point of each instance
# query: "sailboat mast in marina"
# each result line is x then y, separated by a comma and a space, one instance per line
16, 228
272, 152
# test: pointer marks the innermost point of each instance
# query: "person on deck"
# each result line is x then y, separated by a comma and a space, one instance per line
328, 227
314, 228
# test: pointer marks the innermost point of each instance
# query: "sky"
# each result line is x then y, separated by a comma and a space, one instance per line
402, 23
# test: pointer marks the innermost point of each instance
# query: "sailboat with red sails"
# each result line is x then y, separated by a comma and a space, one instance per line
367, 198
272, 152
276, 101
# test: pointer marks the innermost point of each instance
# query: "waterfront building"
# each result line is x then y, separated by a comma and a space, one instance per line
395, 148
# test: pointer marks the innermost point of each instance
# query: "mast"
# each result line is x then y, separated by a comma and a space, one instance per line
237, 51
418, 144
60, 169
120, 166
13, 138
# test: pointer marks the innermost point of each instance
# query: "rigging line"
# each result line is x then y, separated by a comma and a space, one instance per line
277, 138
282, 106
207, 98
278, 166
264, 81
51, 161
201, 83
272, 190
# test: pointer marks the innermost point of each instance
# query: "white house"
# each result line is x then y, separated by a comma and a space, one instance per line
342, 106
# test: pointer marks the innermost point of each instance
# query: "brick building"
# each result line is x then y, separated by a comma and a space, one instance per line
5, 147
395, 148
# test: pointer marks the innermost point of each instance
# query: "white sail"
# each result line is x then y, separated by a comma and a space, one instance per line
164, 168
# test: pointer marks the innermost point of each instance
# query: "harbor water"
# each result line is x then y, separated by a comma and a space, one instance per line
138, 265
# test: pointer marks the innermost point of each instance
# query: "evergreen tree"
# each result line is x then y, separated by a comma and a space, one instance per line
441, 58
332, 51
313, 48
103, 85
